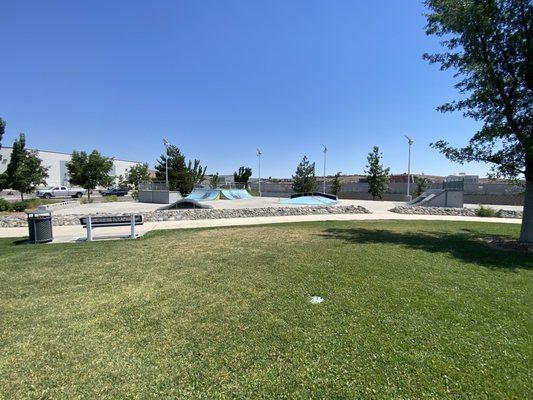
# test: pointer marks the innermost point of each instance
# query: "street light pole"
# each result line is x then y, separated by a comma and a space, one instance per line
165, 142
259, 181
325, 153
408, 196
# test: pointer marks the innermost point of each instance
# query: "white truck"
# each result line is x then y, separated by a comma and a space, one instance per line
60, 191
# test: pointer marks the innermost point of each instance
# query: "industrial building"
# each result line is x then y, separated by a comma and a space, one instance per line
57, 165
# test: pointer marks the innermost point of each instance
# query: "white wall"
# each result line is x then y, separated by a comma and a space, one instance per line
57, 173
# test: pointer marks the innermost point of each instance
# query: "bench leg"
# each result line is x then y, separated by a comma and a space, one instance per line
89, 230
132, 235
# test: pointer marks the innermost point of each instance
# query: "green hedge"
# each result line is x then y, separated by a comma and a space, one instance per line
22, 205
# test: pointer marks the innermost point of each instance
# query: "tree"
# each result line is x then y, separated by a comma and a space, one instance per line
214, 181
2, 131
304, 180
242, 176
196, 173
25, 170
3, 176
121, 182
89, 170
336, 184
3, 181
377, 176
138, 173
181, 176
422, 184
489, 45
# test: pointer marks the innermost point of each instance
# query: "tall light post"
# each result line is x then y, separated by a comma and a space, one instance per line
408, 196
166, 143
325, 154
259, 181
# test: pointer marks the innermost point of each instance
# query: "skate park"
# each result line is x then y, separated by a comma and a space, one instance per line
450, 196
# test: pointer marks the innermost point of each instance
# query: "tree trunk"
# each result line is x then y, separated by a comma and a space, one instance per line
526, 232
88, 195
22, 196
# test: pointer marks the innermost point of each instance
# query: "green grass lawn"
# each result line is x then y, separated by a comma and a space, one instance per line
411, 310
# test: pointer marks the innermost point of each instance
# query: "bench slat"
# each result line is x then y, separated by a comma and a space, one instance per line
115, 220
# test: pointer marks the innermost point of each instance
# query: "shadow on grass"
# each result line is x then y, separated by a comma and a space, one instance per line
18, 242
466, 246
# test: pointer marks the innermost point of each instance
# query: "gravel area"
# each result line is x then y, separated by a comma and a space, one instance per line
464, 212
17, 220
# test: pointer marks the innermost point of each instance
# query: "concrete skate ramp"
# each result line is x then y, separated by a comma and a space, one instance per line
432, 198
204, 194
185, 204
242, 194
227, 194
235, 194
310, 201
317, 194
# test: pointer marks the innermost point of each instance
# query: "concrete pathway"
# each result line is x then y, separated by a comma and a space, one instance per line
256, 202
72, 233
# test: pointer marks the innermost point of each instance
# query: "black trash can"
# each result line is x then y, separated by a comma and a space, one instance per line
40, 226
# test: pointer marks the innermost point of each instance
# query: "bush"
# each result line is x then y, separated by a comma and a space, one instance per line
5, 205
27, 204
110, 199
488, 212
86, 201
18, 206
22, 205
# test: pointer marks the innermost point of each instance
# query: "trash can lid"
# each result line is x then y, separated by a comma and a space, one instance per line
35, 213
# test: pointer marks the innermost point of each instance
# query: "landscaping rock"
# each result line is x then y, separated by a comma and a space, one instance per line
463, 212
9, 221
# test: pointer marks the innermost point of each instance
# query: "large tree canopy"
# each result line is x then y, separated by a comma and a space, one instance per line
489, 47
243, 175
377, 175
304, 180
25, 170
138, 173
89, 170
182, 176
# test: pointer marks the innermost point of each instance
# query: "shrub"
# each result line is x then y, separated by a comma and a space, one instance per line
483, 211
5, 205
110, 199
86, 201
19, 205
34, 203
22, 205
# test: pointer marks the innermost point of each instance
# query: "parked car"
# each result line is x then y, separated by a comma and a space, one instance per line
60, 191
115, 191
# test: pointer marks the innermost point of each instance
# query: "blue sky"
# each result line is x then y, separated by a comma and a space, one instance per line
220, 78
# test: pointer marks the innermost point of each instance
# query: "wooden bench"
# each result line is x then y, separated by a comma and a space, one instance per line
91, 223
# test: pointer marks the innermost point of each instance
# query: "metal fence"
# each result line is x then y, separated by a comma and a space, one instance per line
153, 185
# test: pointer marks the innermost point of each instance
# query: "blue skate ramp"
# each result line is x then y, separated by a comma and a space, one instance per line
228, 194
242, 194
235, 194
310, 201
204, 194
